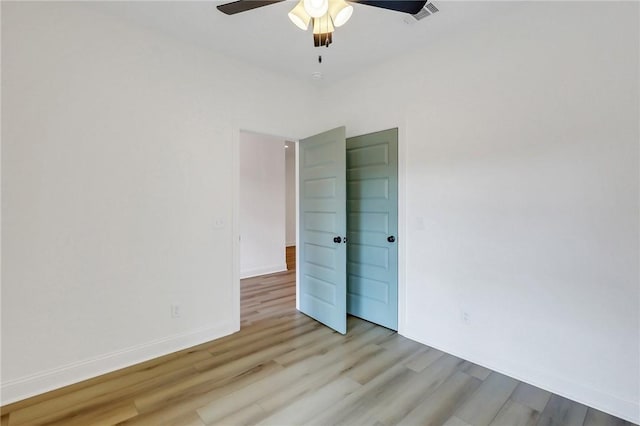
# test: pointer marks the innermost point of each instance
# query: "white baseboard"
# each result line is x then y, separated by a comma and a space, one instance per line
25, 387
611, 404
263, 271
291, 244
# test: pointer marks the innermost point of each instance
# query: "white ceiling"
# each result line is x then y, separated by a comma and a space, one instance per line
265, 37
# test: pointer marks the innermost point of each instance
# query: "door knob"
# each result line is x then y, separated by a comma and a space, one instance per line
337, 239
391, 238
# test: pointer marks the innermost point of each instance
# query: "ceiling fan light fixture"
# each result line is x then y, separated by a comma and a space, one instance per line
323, 31
329, 14
322, 40
340, 12
323, 25
316, 8
299, 16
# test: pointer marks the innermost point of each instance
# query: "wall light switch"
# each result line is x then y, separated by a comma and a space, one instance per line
218, 223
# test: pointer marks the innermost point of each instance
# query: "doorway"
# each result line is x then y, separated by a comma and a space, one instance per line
376, 224
266, 225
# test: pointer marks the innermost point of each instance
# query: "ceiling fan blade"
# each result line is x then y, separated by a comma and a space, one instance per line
244, 5
407, 6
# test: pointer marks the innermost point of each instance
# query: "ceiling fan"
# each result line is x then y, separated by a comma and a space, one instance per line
324, 15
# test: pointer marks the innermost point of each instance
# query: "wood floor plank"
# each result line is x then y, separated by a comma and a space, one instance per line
531, 396
477, 371
236, 401
290, 256
356, 404
423, 360
515, 414
482, 407
250, 331
399, 342
173, 410
93, 398
392, 405
247, 416
279, 328
562, 412
306, 408
322, 346
333, 368
598, 418
455, 421
273, 345
238, 366
54, 404
437, 408
274, 304
259, 315
109, 415
76, 387
287, 378
371, 368
191, 419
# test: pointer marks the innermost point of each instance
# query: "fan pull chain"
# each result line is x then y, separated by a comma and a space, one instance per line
326, 42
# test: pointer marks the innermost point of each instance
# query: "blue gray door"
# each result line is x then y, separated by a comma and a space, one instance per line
322, 247
372, 223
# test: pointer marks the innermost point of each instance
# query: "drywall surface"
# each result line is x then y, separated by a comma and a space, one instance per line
262, 204
118, 151
291, 199
519, 145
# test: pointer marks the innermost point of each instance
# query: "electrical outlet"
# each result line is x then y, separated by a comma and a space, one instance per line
465, 316
175, 311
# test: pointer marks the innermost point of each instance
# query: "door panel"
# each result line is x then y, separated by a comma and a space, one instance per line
322, 165
372, 211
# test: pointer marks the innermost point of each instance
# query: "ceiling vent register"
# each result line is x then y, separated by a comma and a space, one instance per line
428, 10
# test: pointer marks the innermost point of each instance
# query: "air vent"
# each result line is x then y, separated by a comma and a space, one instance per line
422, 14
431, 7
427, 10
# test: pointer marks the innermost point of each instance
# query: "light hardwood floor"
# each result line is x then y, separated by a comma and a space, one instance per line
291, 257
283, 368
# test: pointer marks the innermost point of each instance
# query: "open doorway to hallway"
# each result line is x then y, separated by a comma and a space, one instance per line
291, 202
267, 224
268, 297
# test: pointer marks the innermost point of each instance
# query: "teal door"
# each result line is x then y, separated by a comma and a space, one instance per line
372, 223
322, 246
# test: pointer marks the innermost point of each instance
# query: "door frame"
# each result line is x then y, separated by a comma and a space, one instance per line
235, 215
403, 130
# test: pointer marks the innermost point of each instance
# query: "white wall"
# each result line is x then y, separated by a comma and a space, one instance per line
118, 153
519, 138
291, 200
262, 204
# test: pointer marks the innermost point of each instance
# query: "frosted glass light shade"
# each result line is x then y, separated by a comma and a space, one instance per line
340, 12
299, 16
323, 25
316, 8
